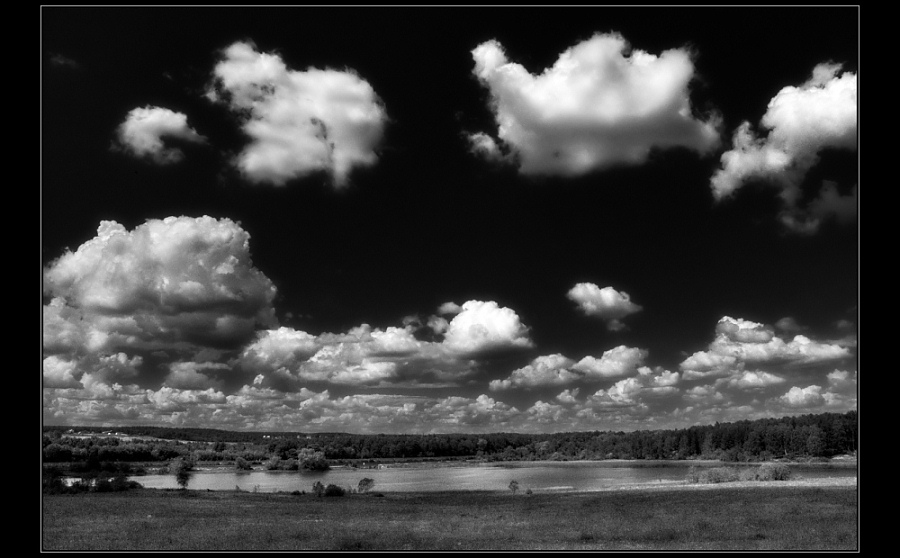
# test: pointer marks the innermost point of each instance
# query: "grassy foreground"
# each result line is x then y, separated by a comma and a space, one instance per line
762, 518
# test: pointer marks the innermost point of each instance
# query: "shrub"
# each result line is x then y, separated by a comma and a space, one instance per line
719, 474
241, 464
365, 485
693, 475
774, 471
334, 490
749, 474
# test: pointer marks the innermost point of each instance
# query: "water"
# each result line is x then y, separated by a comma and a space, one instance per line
539, 477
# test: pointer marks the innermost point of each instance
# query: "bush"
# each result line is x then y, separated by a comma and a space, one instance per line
693, 475
719, 474
774, 471
334, 490
365, 485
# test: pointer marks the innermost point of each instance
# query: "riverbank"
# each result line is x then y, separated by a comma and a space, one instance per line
813, 514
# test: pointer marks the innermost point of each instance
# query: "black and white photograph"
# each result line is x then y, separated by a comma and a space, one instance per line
449, 278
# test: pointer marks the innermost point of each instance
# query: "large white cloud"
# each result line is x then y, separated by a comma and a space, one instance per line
801, 122
180, 285
299, 122
602, 103
144, 129
484, 326
607, 303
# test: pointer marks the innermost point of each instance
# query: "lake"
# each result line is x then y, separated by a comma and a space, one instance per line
571, 476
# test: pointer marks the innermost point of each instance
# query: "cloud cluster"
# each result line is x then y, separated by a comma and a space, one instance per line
299, 122
800, 122
739, 342
144, 129
390, 356
602, 103
557, 369
607, 303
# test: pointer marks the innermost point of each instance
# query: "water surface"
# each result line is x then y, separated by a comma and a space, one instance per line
539, 477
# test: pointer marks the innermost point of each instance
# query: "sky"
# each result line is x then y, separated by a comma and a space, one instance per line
448, 219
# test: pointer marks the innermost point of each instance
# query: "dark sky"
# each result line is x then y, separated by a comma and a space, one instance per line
643, 217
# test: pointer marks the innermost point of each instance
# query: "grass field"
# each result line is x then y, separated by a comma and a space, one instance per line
771, 517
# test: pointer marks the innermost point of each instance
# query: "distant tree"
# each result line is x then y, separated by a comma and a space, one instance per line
334, 490
319, 488
312, 460
242, 464
514, 486
182, 469
365, 485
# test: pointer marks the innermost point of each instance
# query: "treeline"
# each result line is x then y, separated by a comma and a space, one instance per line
816, 436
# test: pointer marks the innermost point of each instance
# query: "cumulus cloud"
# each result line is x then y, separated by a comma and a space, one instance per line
810, 396
618, 361
177, 286
800, 123
602, 103
144, 129
567, 395
485, 326
740, 341
192, 376
543, 371
59, 373
607, 303
299, 122
753, 380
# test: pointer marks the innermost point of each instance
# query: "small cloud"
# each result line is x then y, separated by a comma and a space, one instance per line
607, 303
64, 61
810, 396
789, 325
144, 129
550, 370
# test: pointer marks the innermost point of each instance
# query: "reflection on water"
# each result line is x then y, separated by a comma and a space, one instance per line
570, 476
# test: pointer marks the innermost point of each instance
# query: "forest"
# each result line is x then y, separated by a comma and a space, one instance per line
796, 437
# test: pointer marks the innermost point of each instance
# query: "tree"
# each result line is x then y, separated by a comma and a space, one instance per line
514, 486
182, 469
242, 464
365, 485
312, 460
319, 488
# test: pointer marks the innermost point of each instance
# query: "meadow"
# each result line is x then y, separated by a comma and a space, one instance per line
737, 517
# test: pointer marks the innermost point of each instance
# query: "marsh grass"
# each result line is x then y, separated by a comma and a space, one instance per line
763, 518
